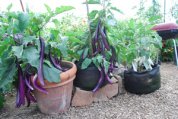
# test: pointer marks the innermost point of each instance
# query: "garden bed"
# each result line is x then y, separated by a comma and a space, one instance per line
160, 104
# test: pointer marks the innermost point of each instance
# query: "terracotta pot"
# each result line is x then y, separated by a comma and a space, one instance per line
59, 94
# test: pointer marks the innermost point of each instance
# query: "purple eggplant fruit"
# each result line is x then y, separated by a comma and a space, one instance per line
108, 79
21, 88
104, 39
55, 62
27, 82
111, 67
102, 49
40, 69
99, 49
29, 97
100, 81
28, 102
36, 86
97, 32
93, 46
106, 76
59, 62
18, 98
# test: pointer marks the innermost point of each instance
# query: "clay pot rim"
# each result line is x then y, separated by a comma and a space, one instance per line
53, 85
65, 77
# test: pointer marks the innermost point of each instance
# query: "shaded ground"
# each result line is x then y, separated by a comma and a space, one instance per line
162, 104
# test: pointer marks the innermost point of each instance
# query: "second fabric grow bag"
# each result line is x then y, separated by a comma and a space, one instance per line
144, 82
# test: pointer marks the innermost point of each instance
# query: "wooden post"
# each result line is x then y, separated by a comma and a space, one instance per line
22, 6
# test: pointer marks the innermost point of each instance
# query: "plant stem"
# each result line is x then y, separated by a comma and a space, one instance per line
104, 8
22, 6
90, 36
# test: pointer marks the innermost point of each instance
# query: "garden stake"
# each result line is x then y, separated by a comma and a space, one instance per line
175, 49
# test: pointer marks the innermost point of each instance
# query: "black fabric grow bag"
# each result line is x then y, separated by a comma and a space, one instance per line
88, 78
142, 83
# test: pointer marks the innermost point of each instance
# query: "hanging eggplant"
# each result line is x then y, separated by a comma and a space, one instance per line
40, 69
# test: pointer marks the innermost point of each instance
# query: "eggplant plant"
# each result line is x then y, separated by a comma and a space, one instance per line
97, 48
137, 46
28, 50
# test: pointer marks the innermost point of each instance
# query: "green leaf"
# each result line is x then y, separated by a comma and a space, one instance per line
28, 39
62, 9
106, 65
147, 65
116, 9
85, 52
6, 53
75, 40
47, 8
48, 63
9, 7
93, 14
63, 50
4, 45
56, 22
23, 20
86, 63
100, 59
7, 71
51, 74
94, 60
54, 34
93, 2
32, 56
18, 50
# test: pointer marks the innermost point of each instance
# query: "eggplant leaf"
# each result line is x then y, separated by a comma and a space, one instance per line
94, 60
63, 50
23, 21
99, 59
93, 2
31, 54
93, 14
85, 53
117, 10
18, 50
76, 40
86, 63
48, 63
9, 7
7, 71
51, 73
106, 65
28, 39
4, 46
47, 8
63, 9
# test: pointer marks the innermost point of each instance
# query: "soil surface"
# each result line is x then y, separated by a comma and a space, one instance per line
161, 104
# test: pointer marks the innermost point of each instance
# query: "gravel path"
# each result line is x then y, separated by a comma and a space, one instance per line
162, 104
